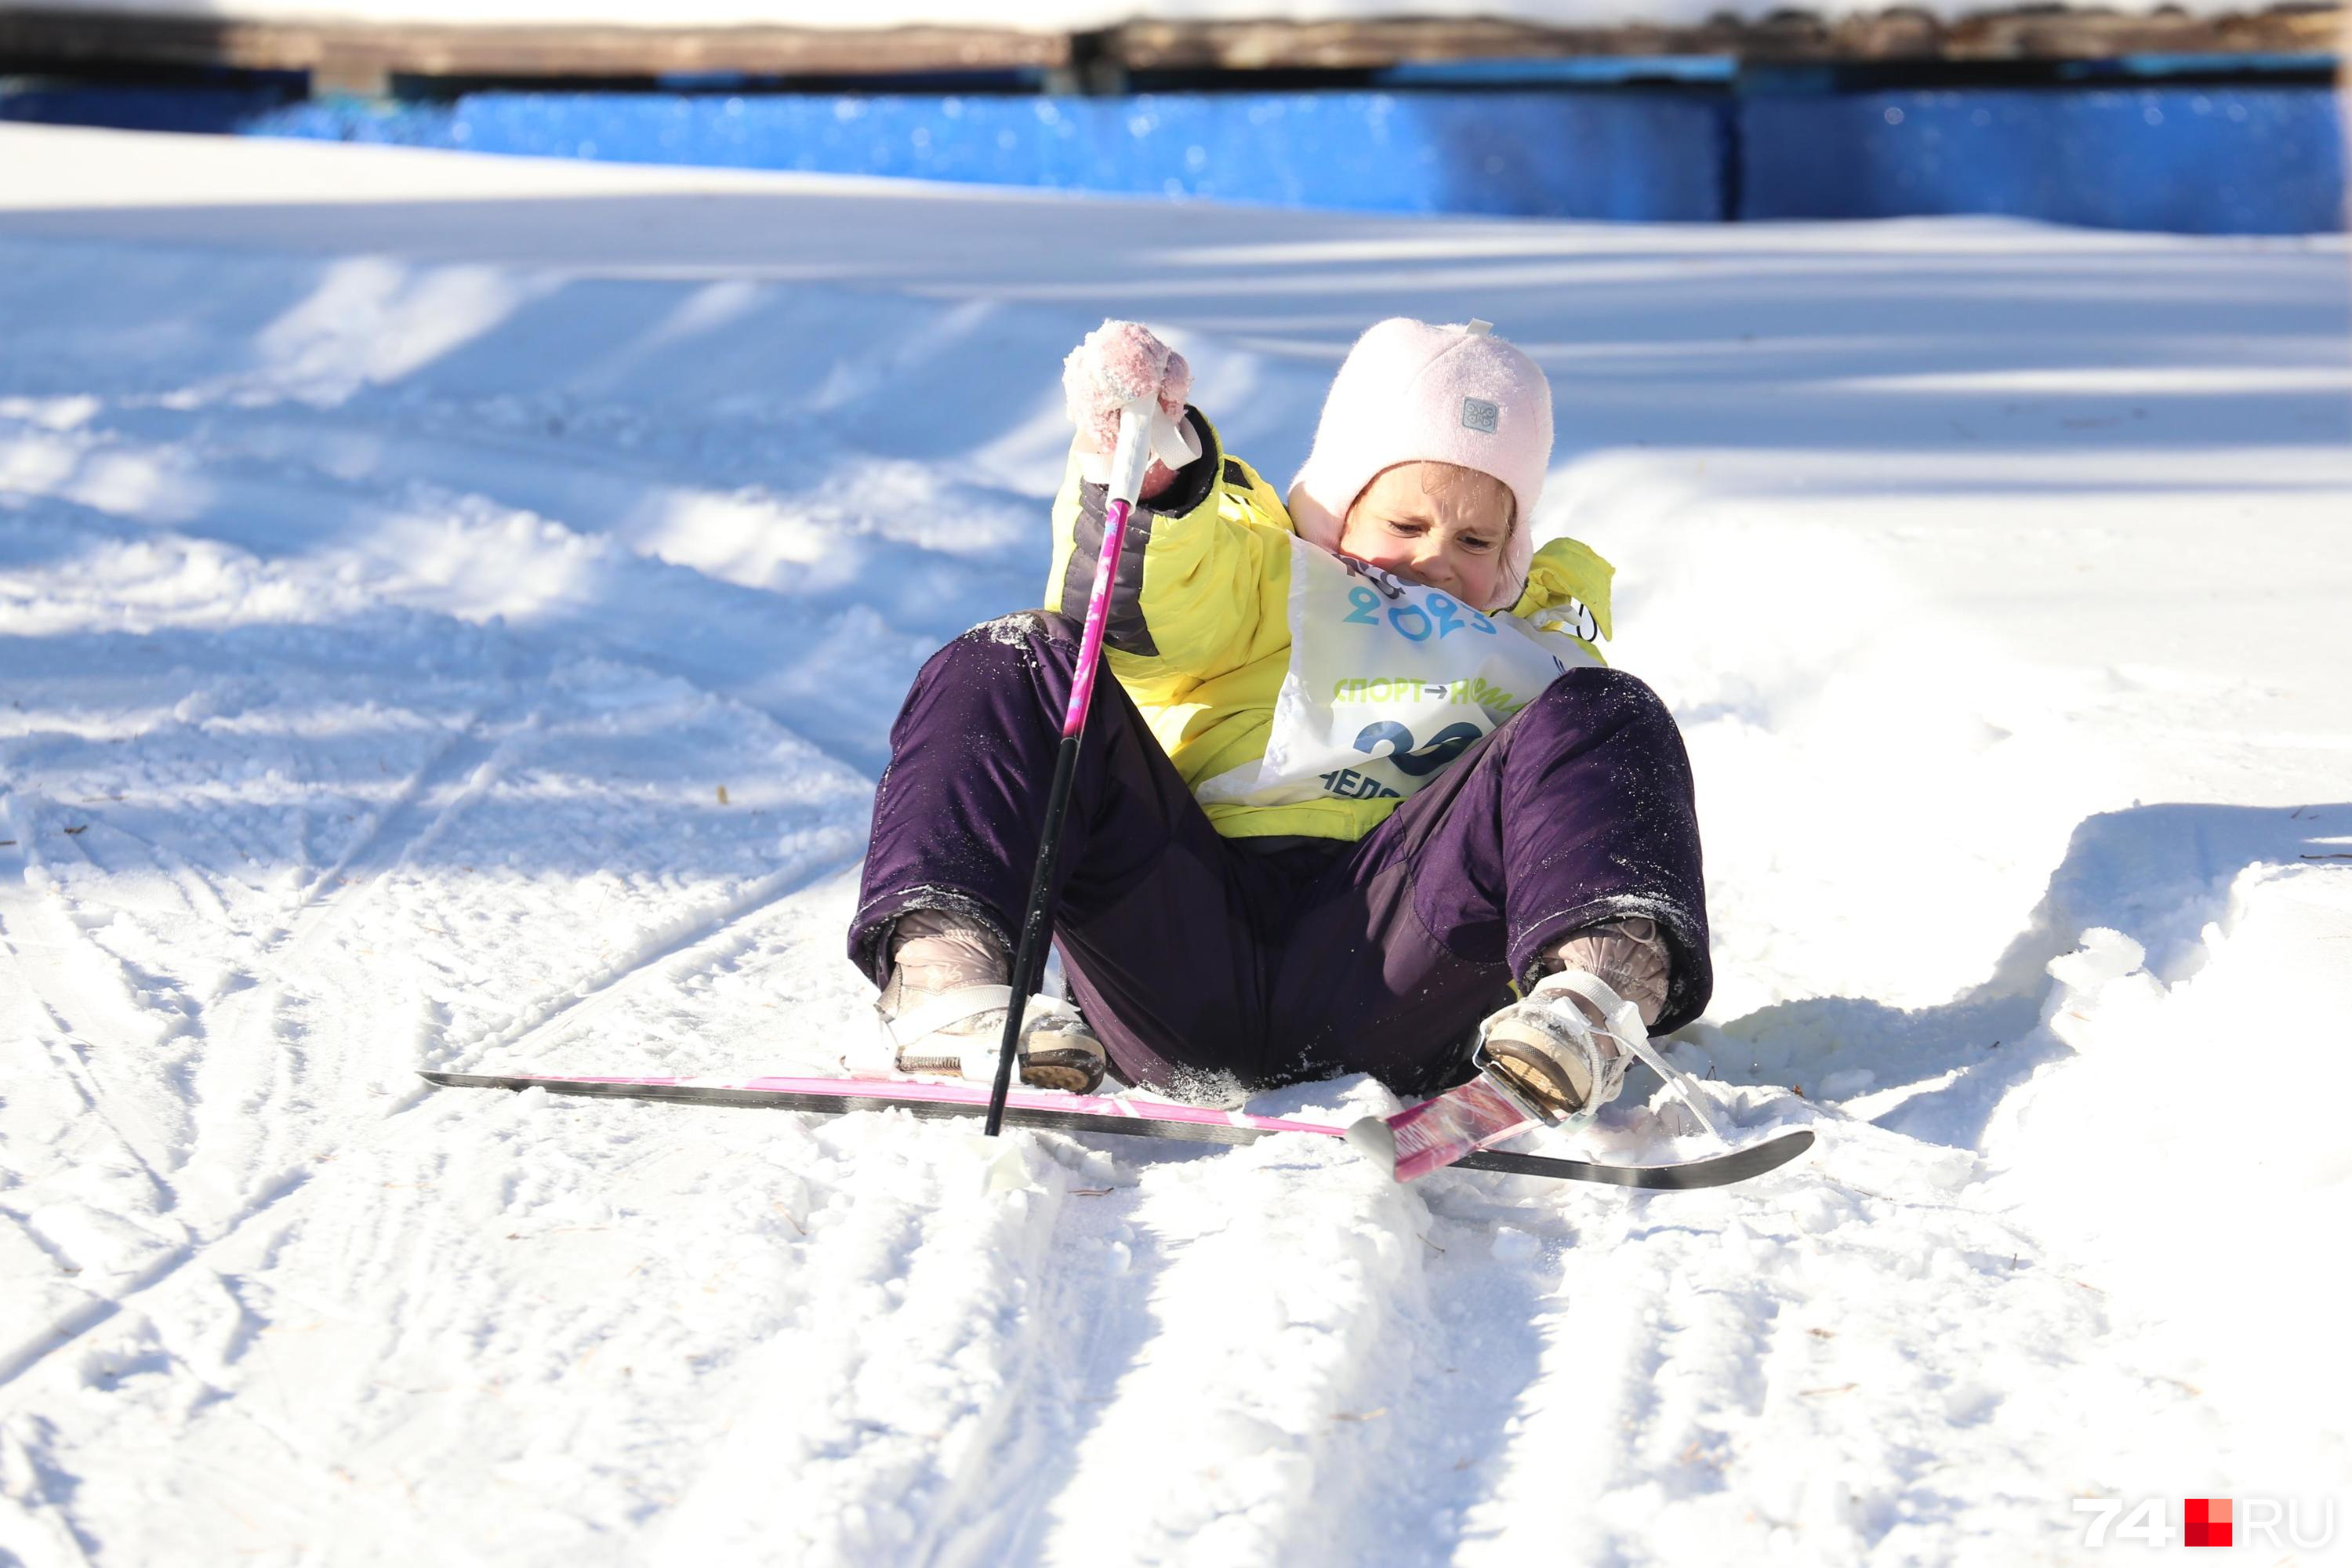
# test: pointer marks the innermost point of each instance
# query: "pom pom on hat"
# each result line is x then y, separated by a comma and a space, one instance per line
1410, 391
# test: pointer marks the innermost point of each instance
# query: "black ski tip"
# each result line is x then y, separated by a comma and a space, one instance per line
1688, 1176
468, 1080
1780, 1151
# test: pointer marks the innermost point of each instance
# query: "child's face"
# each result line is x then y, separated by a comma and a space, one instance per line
1434, 524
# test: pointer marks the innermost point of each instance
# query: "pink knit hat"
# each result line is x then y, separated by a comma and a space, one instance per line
1409, 392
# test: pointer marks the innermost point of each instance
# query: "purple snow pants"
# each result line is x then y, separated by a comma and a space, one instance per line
1194, 956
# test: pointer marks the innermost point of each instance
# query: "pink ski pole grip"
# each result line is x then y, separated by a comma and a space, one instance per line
1128, 463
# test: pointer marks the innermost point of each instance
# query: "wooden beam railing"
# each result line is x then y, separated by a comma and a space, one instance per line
360, 57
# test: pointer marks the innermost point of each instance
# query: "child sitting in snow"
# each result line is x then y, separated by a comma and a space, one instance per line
1361, 776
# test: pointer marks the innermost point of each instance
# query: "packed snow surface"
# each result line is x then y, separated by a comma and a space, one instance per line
450, 616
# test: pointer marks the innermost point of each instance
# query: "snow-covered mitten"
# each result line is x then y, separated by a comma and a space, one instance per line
1118, 362
943, 1010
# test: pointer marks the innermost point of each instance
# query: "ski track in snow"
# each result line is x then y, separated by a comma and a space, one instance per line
477, 661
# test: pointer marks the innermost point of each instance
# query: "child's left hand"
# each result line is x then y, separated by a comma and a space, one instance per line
1118, 363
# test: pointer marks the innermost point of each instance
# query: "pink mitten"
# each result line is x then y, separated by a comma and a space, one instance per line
1118, 363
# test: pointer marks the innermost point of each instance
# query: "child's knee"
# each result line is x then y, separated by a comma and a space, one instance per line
1598, 698
1023, 630
1024, 640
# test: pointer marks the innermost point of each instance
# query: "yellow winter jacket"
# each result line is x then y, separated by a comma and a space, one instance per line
1199, 629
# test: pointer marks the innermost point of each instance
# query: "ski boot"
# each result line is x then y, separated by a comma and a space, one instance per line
1562, 1048
1561, 1051
1554, 1049
943, 1011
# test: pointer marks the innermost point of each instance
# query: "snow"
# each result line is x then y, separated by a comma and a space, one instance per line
1028, 15
451, 611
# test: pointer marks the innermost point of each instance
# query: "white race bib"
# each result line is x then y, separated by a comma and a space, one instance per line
1388, 683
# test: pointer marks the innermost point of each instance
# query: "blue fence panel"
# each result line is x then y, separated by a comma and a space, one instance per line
1655, 156
119, 108
2220, 160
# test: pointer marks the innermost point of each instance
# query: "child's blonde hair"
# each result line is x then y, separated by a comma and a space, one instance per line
1439, 479
1443, 478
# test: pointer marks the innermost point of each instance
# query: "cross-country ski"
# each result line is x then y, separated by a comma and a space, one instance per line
1122, 1117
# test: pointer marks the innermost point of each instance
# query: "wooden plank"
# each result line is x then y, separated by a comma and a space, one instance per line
1371, 43
350, 49
2058, 35
362, 57
2040, 33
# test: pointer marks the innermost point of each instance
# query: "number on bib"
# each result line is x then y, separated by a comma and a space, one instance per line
1419, 761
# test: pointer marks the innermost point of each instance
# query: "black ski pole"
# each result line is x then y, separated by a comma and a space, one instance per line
1128, 463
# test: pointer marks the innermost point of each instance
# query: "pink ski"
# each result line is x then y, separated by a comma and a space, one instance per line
1410, 1144
1439, 1133
1037, 1107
